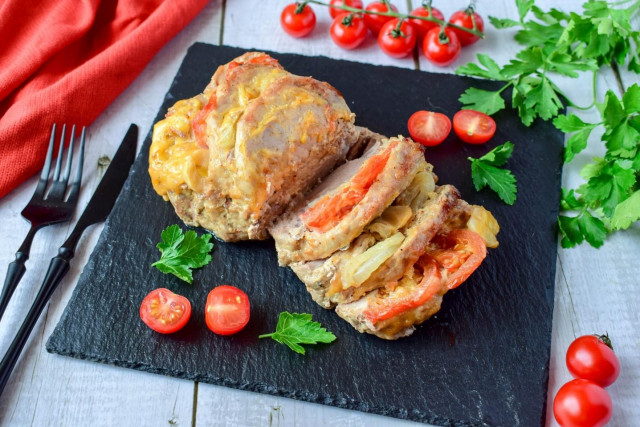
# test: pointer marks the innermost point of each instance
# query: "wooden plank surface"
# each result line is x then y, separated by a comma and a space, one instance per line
596, 290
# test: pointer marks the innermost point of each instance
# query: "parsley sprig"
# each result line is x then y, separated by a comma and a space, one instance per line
182, 252
556, 43
485, 171
294, 329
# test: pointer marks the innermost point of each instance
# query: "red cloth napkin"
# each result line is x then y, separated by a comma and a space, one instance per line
65, 61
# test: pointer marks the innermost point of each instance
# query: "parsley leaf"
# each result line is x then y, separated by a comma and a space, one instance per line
182, 252
485, 171
298, 328
578, 141
626, 212
485, 101
501, 23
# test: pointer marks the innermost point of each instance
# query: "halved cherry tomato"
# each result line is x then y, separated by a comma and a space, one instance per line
473, 127
429, 128
466, 18
227, 310
375, 22
394, 43
334, 12
430, 285
296, 21
441, 48
422, 26
165, 312
591, 358
329, 210
458, 253
348, 31
582, 403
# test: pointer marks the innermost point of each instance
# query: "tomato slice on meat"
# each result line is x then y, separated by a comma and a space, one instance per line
458, 253
428, 287
429, 128
227, 310
165, 312
329, 210
473, 127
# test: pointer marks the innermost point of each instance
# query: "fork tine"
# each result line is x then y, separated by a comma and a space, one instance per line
67, 170
56, 173
46, 168
75, 188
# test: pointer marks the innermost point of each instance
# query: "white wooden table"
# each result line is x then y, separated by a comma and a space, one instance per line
596, 290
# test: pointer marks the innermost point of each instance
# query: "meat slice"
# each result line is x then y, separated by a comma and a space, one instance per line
352, 196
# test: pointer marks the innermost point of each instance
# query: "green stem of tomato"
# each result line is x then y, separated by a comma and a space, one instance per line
393, 14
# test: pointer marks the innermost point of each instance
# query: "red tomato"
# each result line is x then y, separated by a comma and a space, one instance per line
473, 127
429, 128
590, 357
465, 18
227, 310
459, 253
298, 23
348, 31
441, 48
421, 26
334, 12
582, 403
165, 312
375, 22
397, 44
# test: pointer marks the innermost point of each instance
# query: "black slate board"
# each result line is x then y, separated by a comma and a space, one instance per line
482, 360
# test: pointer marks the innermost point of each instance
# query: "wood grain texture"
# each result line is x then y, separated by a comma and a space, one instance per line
596, 290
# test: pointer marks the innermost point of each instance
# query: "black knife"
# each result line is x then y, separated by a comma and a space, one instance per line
96, 211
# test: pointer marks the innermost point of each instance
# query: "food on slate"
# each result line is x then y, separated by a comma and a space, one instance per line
234, 157
582, 403
468, 19
298, 20
183, 252
591, 357
165, 312
358, 216
485, 171
348, 31
429, 128
227, 311
294, 329
473, 127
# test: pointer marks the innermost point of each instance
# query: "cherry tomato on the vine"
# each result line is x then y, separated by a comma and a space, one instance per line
466, 18
352, 3
227, 310
165, 312
422, 26
298, 21
590, 357
348, 30
582, 403
441, 47
395, 41
473, 127
375, 22
429, 128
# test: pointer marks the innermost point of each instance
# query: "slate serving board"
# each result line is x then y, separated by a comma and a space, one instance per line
482, 360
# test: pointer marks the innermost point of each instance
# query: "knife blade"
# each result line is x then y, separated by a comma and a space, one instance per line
97, 210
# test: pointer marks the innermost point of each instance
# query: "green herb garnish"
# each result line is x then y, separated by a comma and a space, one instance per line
485, 171
182, 252
294, 329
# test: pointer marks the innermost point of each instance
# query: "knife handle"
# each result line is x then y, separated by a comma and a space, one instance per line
58, 267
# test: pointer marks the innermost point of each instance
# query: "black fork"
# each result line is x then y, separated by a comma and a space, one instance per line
47, 206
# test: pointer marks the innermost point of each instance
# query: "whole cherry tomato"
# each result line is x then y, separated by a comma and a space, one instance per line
473, 127
429, 128
582, 403
227, 310
165, 312
441, 47
466, 18
375, 22
298, 21
591, 357
422, 26
352, 3
348, 30
395, 41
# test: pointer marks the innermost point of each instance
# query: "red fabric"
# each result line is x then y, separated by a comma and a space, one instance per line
65, 61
